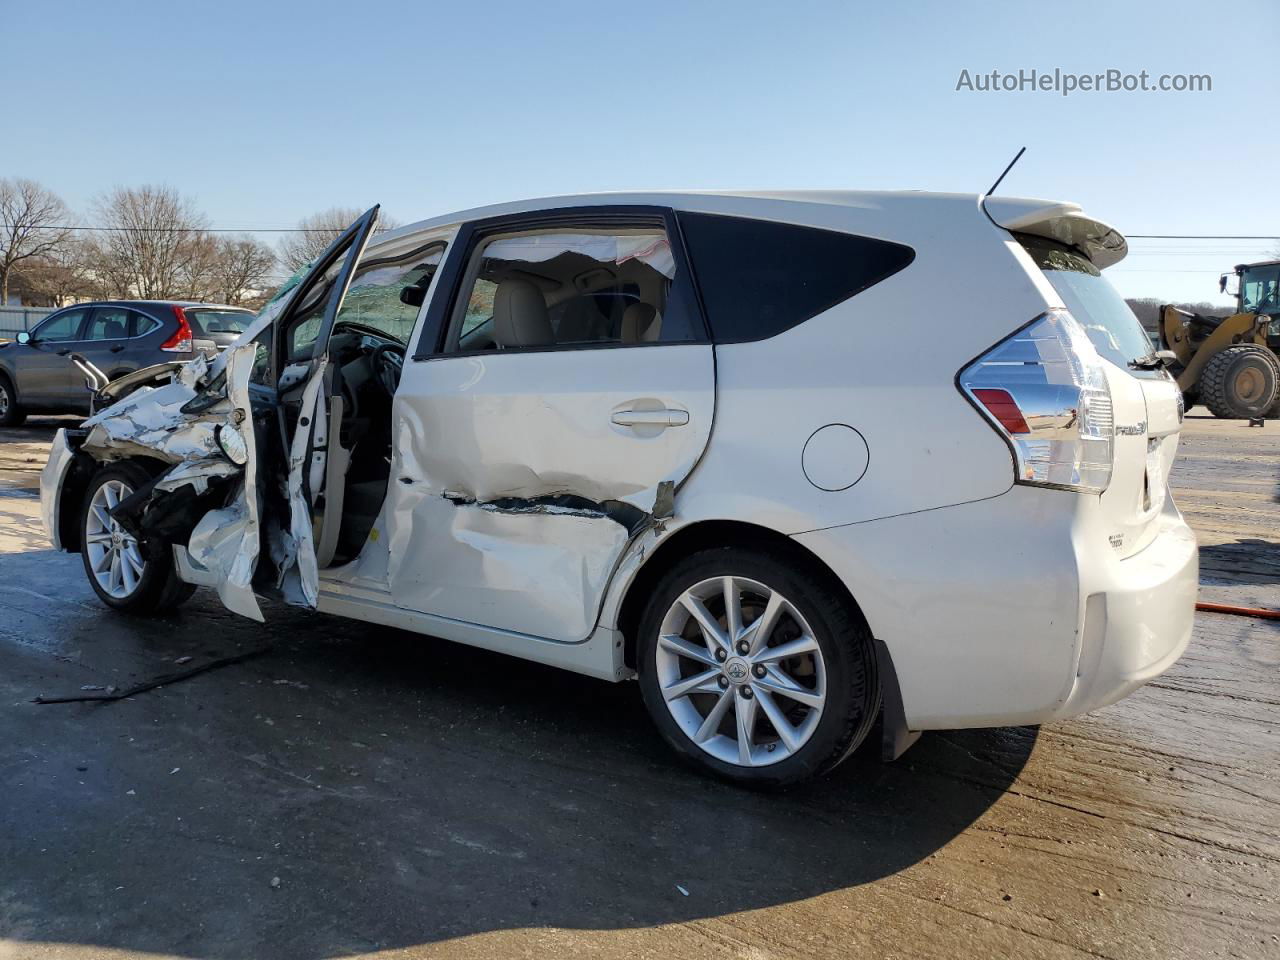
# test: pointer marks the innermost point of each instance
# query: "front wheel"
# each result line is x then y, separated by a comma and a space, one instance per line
754, 671
126, 573
11, 415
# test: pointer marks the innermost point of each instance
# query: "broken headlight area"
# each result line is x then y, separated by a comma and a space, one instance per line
232, 444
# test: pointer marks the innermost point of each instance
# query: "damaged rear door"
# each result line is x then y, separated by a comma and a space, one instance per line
562, 389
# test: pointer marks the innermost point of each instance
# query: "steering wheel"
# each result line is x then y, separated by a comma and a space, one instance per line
387, 360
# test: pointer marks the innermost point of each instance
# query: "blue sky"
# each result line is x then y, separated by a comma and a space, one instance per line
264, 112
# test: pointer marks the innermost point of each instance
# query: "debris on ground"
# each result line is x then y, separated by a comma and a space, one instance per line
112, 693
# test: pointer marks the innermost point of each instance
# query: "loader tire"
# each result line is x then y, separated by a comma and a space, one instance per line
1240, 382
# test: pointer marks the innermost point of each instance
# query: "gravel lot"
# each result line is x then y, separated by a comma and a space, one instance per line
357, 790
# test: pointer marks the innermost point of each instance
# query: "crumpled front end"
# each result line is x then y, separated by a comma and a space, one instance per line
193, 429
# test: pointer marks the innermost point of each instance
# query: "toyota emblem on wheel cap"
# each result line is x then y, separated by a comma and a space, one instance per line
736, 669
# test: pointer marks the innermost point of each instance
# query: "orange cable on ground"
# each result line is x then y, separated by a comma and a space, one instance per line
1239, 611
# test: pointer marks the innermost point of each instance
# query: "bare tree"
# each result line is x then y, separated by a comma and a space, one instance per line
155, 245
31, 222
240, 270
317, 232
59, 277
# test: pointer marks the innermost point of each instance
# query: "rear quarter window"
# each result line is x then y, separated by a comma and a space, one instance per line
759, 278
218, 321
1113, 328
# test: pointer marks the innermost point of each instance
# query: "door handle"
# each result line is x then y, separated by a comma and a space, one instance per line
666, 417
64, 352
117, 348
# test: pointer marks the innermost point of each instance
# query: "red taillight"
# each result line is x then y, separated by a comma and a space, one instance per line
1002, 406
180, 342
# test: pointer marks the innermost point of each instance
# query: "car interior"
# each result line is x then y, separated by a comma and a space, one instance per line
565, 289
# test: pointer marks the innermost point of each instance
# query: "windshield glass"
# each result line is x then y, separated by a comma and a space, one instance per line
1260, 289
1111, 325
388, 289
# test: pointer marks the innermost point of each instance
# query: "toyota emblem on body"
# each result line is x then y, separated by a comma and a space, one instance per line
736, 670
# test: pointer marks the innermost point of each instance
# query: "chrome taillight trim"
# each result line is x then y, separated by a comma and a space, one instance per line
1058, 380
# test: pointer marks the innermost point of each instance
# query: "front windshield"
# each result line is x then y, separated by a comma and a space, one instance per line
1114, 329
381, 295
1260, 289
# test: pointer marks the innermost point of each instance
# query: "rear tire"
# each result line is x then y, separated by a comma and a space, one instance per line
1240, 382
832, 673
11, 414
133, 576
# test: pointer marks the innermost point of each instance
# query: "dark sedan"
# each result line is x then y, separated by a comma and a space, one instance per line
118, 337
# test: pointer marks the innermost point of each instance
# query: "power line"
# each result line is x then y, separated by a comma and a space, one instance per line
179, 229
1197, 236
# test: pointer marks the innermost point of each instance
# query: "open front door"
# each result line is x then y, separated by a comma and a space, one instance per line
309, 394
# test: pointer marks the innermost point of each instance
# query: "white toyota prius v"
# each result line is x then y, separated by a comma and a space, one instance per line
797, 462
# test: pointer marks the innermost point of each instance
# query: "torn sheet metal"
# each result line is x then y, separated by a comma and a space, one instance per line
151, 422
195, 474
632, 518
145, 375
227, 545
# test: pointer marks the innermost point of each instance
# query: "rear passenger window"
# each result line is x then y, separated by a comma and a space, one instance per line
117, 323
760, 278
109, 323
573, 287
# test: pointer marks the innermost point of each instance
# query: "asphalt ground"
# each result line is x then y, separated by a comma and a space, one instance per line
356, 790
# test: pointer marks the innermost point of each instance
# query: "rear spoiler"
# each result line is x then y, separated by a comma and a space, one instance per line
1064, 222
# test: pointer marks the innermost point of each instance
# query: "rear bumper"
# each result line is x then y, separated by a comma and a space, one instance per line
1015, 609
1137, 616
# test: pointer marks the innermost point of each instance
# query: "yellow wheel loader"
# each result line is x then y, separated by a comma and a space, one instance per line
1231, 364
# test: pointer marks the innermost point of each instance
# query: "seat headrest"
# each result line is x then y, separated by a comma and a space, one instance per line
520, 316
640, 324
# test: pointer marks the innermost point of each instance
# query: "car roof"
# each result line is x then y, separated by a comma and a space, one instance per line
159, 303
880, 212
697, 199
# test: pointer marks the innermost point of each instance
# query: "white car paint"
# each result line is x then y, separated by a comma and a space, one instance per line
999, 603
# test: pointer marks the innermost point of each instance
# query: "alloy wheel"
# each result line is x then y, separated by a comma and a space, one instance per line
4, 401
115, 557
741, 671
